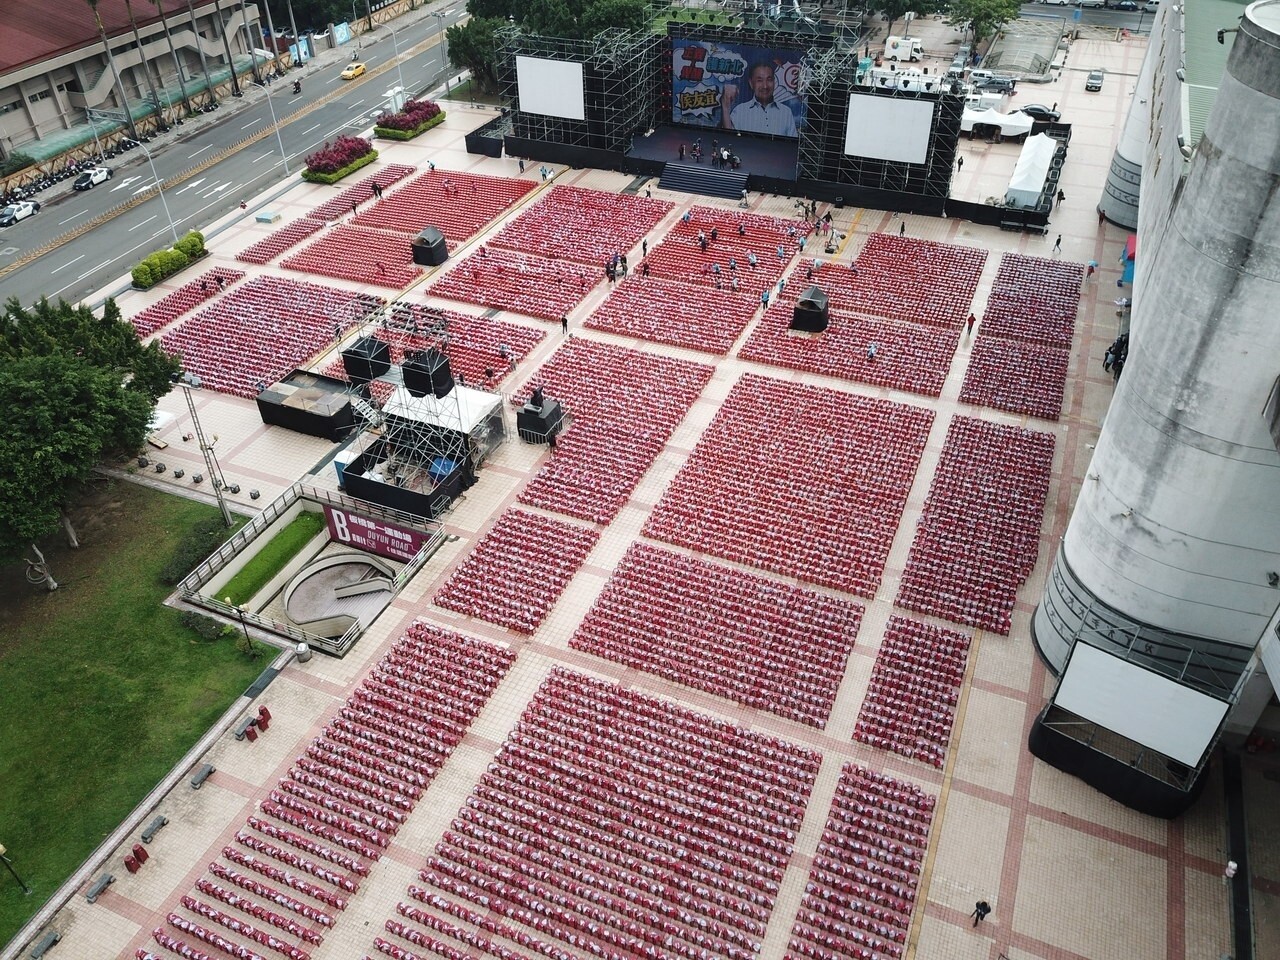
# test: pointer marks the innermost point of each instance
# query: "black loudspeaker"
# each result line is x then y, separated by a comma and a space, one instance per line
429, 248
811, 312
367, 359
428, 372
541, 423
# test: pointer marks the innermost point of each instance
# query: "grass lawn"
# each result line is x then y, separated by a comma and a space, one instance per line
103, 688
273, 558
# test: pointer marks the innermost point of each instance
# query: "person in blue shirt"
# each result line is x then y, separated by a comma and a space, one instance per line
762, 113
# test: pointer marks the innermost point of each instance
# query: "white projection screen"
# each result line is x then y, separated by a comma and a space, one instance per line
552, 88
1153, 710
886, 128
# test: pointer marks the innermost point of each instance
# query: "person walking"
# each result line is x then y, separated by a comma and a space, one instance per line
902, 228
960, 162
564, 323
971, 321
644, 248
980, 911
1061, 196
871, 350
1057, 246
522, 166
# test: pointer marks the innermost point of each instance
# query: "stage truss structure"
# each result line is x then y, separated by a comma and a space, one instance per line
831, 80
787, 24
411, 448
621, 85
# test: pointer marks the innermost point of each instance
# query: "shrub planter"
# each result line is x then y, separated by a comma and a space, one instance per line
165, 263
392, 133
312, 176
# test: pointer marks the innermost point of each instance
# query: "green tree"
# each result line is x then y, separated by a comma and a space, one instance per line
77, 388
553, 18
627, 14
472, 47
983, 17
495, 8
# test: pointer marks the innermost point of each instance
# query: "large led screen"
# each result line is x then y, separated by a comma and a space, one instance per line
735, 86
552, 88
888, 128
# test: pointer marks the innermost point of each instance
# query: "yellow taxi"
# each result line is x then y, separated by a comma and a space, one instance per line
352, 71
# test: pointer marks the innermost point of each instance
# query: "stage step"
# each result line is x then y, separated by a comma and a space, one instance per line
704, 179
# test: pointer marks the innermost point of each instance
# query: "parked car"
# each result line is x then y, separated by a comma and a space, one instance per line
998, 85
1093, 4
1129, 6
18, 211
352, 71
1093, 82
91, 178
1057, 3
1151, 6
1038, 111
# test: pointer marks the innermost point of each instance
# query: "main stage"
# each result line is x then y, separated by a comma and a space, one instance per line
760, 156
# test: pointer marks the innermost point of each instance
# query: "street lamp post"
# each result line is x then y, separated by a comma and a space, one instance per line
248, 640
160, 190
9, 864
284, 157
444, 61
395, 42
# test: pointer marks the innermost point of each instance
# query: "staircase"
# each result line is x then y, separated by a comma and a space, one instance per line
367, 410
704, 179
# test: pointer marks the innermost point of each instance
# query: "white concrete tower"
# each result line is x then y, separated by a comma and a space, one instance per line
1175, 535
1119, 200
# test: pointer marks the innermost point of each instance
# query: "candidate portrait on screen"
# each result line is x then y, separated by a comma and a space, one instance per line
762, 113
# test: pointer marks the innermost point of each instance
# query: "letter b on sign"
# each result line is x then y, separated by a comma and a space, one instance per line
340, 526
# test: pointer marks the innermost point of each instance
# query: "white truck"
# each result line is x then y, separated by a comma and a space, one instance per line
903, 48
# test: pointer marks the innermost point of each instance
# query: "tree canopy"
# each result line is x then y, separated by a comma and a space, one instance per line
983, 17
74, 388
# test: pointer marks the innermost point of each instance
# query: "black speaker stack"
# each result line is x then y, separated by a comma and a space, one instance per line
427, 372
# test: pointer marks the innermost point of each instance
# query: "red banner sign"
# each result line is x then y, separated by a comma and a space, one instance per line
375, 536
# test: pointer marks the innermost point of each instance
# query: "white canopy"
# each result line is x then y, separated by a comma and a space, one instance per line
463, 409
1031, 171
1010, 124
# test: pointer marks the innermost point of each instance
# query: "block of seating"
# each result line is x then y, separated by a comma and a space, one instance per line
908, 356
772, 241
270, 247
474, 345
906, 278
186, 298
910, 702
1016, 375
758, 642
1034, 299
624, 404
799, 480
586, 226
518, 570
298, 859
612, 824
360, 254
360, 192
863, 883
458, 204
262, 330
675, 313
519, 282
979, 533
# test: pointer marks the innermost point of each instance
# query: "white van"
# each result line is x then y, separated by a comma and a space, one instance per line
903, 48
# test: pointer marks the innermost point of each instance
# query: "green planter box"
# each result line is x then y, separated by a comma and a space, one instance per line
390, 133
312, 177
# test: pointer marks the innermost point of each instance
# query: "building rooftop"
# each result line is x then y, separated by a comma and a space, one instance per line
1206, 58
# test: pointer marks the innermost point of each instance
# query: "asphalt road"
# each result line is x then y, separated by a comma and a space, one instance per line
1139, 22
326, 107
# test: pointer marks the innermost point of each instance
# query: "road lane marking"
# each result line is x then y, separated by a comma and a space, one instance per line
192, 185
67, 264
143, 223
192, 156
251, 123
75, 217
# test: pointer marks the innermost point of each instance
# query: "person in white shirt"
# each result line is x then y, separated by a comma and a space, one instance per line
761, 114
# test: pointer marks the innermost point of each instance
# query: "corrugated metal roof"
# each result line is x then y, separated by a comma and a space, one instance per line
36, 30
1206, 58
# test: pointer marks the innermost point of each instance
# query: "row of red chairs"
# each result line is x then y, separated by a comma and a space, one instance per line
799, 480
909, 708
662, 311
457, 203
323, 825
271, 246
860, 894
768, 645
906, 278
1034, 299
906, 357
359, 254
519, 282
360, 192
979, 533
1017, 376
587, 226
518, 570
608, 849
187, 297
624, 406
262, 330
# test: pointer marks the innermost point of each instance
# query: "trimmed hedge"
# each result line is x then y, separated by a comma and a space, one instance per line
387, 133
337, 175
165, 263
